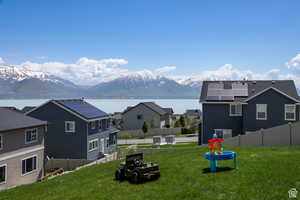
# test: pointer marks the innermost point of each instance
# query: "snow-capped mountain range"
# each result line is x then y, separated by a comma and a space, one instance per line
16, 82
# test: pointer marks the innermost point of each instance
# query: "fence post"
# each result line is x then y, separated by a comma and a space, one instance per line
262, 136
290, 128
239, 140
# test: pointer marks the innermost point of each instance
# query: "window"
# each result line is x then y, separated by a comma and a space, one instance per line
108, 123
223, 133
261, 111
93, 124
29, 165
93, 144
3, 174
235, 110
139, 117
290, 112
103, 124
70, 126
1, 142
107, 142
100, 124
31, 136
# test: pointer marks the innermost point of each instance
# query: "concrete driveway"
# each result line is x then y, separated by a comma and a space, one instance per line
150, 140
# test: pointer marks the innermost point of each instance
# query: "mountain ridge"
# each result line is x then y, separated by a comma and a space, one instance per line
21, 83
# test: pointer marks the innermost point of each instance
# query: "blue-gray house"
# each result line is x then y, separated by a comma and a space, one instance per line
76, 129
230, 108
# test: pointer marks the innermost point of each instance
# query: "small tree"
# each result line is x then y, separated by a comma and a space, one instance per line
145, 128
177, 124
182, 121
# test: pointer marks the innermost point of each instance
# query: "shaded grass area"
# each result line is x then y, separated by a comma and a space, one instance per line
264, 173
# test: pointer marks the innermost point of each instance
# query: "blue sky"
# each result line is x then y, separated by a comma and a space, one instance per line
194, 36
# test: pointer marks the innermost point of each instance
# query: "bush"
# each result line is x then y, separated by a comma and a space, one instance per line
187, 131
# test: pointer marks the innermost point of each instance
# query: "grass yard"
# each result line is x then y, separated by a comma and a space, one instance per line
264, 173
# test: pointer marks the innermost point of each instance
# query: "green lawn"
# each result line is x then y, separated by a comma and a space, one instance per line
264, 173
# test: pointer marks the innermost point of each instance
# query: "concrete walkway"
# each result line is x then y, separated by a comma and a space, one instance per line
150, 140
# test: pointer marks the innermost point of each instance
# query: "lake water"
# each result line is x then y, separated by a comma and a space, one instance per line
113, 105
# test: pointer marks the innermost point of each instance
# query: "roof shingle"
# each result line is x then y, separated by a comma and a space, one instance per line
11, 120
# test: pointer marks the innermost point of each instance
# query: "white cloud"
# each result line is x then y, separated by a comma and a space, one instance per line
165, 69
85, 71
226, 72
41, 57
1, 61
294, 63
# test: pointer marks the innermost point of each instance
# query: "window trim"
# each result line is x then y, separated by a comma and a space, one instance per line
93, 123
4, 165
294, 119
91, 141
266, 112
70, 131
33, 171
107, 142
100, 124
235, 115
32, 141
1, 142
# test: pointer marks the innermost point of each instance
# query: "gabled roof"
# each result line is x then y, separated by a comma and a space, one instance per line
11, 120
151, 105
169, 110
194, 112
255, 88
77, 107
28, 108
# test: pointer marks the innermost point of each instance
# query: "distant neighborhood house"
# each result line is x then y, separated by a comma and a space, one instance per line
21, 148
154, 115
76, 130
231, 108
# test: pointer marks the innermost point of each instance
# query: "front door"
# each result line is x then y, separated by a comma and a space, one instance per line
102, 145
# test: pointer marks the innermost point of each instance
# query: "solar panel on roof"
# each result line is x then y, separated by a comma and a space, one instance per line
240, 92
227, 98
212, 98
215, 86
83, 108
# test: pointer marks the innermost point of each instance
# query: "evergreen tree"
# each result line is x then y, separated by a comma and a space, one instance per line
182, 121
145, 127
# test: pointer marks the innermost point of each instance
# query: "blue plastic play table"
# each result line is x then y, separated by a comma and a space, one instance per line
226, 155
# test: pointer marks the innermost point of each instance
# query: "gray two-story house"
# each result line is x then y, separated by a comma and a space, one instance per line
76, 129
230, 108
154, 115
21, 148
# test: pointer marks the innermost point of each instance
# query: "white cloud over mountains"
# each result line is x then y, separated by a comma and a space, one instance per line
294, 63
86, 71
1, 61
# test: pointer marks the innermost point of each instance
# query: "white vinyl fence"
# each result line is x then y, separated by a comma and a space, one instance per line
284, 135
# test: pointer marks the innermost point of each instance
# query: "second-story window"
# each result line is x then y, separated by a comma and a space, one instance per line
69, 126
1, 142
93, 124
100, 124
139, 117
290, 112
261, 111
235, 110
108, 123
31, 136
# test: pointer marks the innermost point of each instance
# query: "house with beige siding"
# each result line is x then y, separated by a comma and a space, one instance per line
21, 148
154, 115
